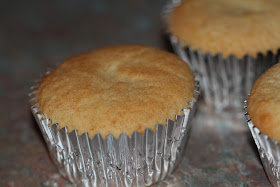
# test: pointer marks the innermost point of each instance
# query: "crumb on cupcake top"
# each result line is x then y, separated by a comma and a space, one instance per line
237, 27
264, 103
116, 89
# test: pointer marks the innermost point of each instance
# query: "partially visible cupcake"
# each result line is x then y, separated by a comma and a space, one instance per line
116, 115
228, 43
263, 114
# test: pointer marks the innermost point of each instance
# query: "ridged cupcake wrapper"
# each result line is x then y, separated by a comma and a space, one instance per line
269, 151
139, 160
225, 81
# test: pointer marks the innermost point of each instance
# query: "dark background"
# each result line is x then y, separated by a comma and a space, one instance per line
36, 35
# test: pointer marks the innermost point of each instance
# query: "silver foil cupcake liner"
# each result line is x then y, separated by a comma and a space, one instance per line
225, 81
140, 160
269, 151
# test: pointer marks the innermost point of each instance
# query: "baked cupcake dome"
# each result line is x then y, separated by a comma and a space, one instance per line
239, 27
264, 103
116, 89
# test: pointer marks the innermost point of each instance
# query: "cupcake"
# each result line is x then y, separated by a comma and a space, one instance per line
116, 115
227, 43
263, 114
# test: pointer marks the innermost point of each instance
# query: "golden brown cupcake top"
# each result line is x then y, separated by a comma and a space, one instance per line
237, 27
116, 89
264, 103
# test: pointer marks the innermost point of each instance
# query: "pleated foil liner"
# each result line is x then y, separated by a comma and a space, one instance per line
225, 81
269, 151
140, 160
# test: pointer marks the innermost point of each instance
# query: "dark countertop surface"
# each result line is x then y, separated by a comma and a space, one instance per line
36, 35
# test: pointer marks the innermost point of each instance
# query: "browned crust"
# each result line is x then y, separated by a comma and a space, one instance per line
264, 103
116, 89
237, 27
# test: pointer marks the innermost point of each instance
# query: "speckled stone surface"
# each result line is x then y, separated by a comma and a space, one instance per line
35, 35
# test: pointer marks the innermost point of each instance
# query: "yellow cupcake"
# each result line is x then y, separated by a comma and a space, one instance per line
116, 89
